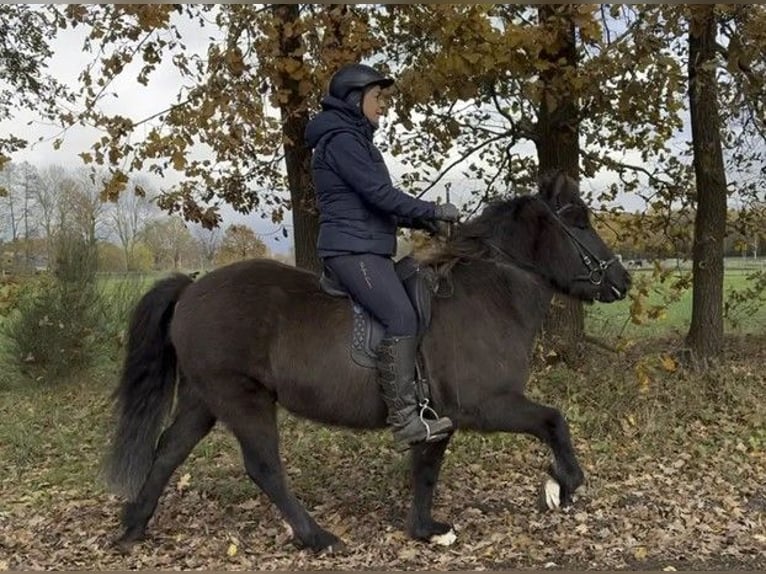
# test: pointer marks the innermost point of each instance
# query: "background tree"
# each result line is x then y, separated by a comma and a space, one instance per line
10, 209
22, 184
208, 242
129, 214
240, 242
267, 57
54, 180
168, 239
82, 209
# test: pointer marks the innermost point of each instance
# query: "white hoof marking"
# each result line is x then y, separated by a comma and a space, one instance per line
552, 490
288, 530
446, 539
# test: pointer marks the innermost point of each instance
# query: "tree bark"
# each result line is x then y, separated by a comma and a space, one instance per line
295, 117
558, 148
705, 337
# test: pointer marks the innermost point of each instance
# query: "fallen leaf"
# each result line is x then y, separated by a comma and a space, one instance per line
183, 482
669, 364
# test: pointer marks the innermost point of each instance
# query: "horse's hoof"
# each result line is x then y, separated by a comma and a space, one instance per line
125, 543
446, 539
323, 543
337, 547
433, 532
550, 495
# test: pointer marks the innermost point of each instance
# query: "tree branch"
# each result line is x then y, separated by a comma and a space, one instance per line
465, 156
611, 162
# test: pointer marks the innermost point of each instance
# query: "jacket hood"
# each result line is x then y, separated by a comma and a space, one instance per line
336, 116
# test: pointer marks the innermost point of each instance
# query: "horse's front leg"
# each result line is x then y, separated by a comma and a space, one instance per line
426, 462
513, 412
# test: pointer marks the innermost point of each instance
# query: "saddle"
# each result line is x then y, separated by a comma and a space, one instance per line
367, 332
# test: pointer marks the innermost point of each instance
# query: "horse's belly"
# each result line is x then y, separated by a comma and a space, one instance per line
328, 388
334, 403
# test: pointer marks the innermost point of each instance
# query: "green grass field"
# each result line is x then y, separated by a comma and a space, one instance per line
613, 320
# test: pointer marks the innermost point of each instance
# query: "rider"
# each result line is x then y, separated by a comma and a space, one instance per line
360, 210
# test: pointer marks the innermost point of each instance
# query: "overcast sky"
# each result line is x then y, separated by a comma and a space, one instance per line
137, 102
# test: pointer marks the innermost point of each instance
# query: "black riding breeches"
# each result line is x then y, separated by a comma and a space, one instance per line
373, 283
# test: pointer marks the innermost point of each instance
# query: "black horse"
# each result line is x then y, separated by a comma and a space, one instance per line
245, 337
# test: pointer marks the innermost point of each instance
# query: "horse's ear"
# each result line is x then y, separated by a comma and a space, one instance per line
554, 186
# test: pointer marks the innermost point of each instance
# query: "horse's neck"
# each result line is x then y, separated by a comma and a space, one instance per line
507, 292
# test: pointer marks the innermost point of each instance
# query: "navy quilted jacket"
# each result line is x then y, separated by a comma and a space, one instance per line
359, 208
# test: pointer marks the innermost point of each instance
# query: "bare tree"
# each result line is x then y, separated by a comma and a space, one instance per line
54, 180
168, 239
129, 215
18, 182
208, 243
10, 209
29, 182
83, 210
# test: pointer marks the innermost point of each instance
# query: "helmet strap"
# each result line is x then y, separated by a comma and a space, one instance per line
354, 99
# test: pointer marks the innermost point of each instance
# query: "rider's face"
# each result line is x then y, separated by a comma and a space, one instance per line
373, 105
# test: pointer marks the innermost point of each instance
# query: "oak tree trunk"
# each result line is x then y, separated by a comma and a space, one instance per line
558, 148
705, 337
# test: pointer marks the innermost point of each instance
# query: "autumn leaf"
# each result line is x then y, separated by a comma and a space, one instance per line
179, 160
642, 377
669, 364
183, 482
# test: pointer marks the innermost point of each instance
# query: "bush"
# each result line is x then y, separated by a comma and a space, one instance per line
52, 329
117, 295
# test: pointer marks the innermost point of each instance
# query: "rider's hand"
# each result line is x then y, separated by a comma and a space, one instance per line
430, 226
447, 212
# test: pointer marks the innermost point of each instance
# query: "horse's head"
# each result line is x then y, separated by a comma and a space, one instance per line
548, 234
576, 259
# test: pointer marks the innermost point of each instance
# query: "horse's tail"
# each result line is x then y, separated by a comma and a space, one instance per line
145, 393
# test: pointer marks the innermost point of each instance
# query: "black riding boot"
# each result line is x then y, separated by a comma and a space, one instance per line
396, 374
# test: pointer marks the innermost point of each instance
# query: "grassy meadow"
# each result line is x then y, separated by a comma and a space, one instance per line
614, 320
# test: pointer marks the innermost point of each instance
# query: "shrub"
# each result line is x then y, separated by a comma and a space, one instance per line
53, 329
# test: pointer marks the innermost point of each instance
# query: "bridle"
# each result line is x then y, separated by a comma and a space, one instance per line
597, 267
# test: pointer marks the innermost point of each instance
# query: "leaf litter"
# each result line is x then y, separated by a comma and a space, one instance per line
694, 501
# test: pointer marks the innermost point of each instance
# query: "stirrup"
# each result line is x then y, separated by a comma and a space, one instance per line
427, 416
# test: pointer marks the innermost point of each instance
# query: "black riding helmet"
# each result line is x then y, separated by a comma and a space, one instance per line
350, 81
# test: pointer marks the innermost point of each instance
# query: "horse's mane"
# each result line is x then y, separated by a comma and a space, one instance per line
470, 241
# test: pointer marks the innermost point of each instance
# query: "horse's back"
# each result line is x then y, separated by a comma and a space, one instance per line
258, 272
225, 310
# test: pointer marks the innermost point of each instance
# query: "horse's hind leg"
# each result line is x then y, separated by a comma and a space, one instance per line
255, 427
192, 422
426, 461
516, 413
